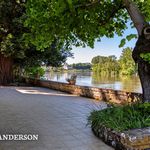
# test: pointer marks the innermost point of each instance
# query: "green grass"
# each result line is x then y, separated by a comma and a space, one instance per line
120, 118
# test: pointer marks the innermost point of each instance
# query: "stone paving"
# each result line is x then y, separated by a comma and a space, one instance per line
58, 118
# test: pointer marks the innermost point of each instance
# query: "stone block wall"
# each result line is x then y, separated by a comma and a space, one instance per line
136, 139
108, 95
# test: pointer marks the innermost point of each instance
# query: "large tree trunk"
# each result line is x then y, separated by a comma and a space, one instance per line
6, 70
143, 46
144, 74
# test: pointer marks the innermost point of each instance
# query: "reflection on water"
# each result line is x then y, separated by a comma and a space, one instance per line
125, 83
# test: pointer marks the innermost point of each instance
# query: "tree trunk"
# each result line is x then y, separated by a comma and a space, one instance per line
145, 81
143, 46
6, 70
135, 15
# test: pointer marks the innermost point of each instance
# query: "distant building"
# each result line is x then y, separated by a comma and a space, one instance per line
67, 67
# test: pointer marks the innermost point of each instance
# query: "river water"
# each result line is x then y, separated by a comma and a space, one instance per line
86, 78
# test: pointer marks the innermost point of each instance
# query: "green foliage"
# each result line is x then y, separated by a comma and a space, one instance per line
145, 56
12, 41
35, 72
48, 57
128, 38
102, 64
11, 28
131, 36
144, 6
122, 118
122, 42
81, 66
76, 22
126, 62
124, 66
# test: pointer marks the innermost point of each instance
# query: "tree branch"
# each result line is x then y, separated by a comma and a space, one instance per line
136, 16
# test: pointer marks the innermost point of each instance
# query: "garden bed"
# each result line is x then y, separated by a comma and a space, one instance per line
125, 127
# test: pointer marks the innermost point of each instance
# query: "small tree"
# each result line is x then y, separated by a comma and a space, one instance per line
126, 62
107, 65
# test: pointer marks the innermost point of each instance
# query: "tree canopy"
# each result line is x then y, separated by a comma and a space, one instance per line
14, 52
125, 65
12, 13
107, 65
11, 28
78, 22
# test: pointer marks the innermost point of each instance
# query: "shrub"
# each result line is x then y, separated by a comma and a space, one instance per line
120, 118
35, 72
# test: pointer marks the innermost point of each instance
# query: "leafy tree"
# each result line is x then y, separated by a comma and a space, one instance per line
11, 30
127, 64
33, 59
15, 54
81, 22
35, 72
108, 65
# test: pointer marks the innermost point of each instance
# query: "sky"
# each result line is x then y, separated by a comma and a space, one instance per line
107, 46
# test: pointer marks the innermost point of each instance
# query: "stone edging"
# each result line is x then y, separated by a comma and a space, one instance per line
135, 139
109, 136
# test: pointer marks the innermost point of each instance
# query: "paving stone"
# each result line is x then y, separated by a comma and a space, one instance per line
58, 118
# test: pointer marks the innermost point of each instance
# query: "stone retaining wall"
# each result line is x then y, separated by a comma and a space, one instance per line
108, 95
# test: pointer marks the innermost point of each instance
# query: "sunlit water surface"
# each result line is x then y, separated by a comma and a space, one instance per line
86, 78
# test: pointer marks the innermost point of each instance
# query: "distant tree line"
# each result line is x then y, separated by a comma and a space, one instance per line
110, 65
79, 66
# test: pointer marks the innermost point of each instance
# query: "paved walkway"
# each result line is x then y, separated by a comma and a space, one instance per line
58, 118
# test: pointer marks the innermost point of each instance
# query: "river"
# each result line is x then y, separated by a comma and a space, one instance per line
86, 78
